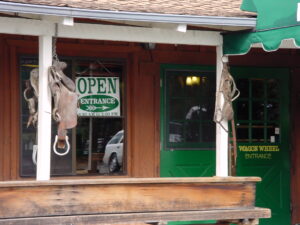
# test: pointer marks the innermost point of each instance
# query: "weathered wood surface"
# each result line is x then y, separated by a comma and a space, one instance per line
58, 198
232, 214
152, 180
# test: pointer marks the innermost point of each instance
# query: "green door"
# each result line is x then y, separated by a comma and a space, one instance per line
187, 130
262, 118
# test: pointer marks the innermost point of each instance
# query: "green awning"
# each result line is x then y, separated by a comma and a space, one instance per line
240, 43
276, 21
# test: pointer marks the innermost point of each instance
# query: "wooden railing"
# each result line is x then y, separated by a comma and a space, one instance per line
125, 200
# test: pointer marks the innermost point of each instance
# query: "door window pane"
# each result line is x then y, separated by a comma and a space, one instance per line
273, 88
257, 110
189, 107
242, 110
258, 88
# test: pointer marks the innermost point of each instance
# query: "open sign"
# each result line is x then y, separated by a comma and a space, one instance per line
98, 96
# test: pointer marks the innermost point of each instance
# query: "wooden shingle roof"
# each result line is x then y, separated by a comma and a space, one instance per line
226, 8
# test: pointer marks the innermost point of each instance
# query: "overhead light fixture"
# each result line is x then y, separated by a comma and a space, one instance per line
68, 21
181, 28
192, 80
149, 46
189, 81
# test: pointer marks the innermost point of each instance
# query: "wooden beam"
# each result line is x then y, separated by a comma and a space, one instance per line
116, 181
15, 113
78, 198
44, 110
222, 157
253, 213
32, 27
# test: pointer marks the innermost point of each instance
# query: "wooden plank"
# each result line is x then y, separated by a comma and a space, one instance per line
2, 118
15, 113
109, 32
7, 117
123, 198
44, 110
233, 214
156, 180
69, 47
222, 156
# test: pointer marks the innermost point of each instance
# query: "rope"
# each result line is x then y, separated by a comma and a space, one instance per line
229, 91
54, 42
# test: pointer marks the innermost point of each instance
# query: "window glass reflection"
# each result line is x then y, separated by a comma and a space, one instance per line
190, 107
242, 110
272, 111
273, 88
258, 133
242, 132
243, 86
91, 151
258, 88
258, 110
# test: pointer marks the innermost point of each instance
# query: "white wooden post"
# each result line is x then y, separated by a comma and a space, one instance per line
221, 134
44, 110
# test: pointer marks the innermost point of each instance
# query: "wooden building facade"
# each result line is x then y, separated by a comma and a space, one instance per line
168, 131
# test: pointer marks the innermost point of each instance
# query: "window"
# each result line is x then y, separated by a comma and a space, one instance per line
190, 101
257, 110
100, 119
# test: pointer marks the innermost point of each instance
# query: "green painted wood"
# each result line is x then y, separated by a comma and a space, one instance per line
266, 159
183, 159
274, 191
188, 160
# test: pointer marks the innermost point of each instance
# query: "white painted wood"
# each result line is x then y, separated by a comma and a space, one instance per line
222, 156
26, 26
109, 32
138, 34
44, 110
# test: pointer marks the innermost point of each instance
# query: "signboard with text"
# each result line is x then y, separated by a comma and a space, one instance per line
259, 151
98, 96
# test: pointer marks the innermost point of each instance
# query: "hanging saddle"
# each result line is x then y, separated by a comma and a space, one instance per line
65, 102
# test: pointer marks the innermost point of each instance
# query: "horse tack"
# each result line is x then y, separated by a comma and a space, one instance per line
65, 101
32, 86
229, 91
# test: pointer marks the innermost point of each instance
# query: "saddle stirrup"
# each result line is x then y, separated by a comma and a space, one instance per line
55, 143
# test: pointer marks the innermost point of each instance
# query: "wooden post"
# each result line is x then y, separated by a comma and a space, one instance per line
44, 110
221, 135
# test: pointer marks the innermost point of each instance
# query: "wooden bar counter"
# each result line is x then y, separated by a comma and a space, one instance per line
126, 200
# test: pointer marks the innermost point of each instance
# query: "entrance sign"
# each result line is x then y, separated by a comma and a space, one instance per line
259, 151
98, 96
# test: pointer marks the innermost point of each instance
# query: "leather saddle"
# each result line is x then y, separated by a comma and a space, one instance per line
65, 101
